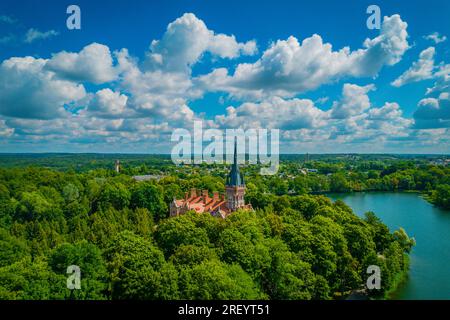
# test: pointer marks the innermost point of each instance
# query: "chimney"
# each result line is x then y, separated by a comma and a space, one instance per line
205, 195
193, 193
216, 196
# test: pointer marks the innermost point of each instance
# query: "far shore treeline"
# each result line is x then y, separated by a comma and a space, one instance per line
340, 173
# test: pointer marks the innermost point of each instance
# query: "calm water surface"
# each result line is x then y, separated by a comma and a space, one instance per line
429, 276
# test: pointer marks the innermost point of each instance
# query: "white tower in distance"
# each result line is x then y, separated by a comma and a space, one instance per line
117, 166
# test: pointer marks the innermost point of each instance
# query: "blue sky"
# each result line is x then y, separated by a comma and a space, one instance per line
230, 64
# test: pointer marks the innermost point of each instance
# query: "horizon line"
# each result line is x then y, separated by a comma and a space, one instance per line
168, 154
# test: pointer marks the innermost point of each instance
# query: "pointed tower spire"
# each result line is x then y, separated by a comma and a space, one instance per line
235, 178
235, 151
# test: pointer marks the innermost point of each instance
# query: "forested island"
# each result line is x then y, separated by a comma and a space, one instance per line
61, 210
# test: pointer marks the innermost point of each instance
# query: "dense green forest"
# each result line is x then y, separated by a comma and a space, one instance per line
117, 230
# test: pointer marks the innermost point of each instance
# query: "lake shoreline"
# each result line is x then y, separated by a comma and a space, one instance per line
421, 194
400, 280
428, 276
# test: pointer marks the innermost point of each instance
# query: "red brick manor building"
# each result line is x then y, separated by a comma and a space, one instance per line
218, 205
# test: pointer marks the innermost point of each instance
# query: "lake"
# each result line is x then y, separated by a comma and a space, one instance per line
429, 276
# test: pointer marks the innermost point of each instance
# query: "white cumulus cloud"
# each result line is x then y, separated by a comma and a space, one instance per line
273, 113
5, 131
421, 69
108, 102
436, 37
354, 101
33, 35
29, 91
93, 63
289, 67
187, 39
433, 111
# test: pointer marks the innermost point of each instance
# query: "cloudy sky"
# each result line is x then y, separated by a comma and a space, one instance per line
136, 71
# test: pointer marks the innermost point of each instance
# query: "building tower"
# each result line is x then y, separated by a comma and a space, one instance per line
117, 166
235, 187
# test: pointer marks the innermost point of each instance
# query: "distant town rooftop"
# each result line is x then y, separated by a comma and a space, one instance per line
148, 177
